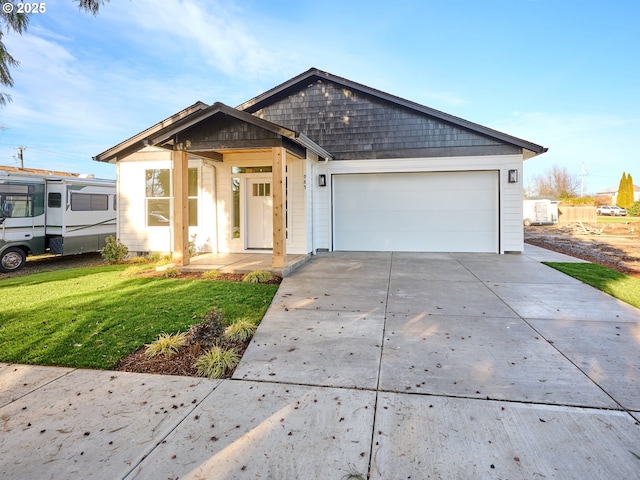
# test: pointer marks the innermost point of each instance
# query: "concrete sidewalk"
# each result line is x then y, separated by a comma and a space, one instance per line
393, 365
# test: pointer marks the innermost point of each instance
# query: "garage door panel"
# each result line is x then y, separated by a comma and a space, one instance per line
444, 211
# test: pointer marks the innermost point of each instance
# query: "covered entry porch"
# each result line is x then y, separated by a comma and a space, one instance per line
252, 197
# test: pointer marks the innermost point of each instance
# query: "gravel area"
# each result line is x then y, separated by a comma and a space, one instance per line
45, 263
616, 246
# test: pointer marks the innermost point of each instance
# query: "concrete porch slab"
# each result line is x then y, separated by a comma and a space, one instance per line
337, 349
605, 351
247, 430
496, 358
417, 436
244, 263
94, 423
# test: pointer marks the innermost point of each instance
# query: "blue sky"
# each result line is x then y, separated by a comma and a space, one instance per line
563, 74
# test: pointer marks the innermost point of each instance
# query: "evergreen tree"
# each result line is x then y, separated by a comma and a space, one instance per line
632, 197
622, 186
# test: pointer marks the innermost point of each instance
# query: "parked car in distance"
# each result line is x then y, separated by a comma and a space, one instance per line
611, 210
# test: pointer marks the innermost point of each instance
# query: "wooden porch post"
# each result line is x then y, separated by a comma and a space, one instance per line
279, 226
180, 207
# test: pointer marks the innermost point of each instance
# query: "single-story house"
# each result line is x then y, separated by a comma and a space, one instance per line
319, 163
610, 195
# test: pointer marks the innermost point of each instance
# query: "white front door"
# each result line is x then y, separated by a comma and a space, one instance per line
259, 213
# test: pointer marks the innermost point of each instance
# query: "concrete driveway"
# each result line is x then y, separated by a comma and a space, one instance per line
392, 365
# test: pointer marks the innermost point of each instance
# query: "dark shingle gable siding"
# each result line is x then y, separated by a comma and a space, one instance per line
230, 133
353, 125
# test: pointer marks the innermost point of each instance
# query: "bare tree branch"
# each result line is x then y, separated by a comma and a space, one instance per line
557, 182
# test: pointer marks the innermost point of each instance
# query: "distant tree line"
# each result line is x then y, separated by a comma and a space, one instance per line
556, 182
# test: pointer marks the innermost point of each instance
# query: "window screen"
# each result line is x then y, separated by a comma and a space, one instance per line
85, 202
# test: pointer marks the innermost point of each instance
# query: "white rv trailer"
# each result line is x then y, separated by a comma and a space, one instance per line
61, 215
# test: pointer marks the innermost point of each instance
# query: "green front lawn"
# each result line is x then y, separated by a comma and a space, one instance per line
616, 284
627, 219
93, 317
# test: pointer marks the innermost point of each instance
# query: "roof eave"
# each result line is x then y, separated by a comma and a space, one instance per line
112, 154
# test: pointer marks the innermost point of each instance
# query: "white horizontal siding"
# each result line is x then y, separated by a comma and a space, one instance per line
133, 231
297, 207
132, 215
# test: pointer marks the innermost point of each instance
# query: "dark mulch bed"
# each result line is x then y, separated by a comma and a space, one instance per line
179, 364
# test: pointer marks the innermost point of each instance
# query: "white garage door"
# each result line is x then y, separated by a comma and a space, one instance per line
416, 212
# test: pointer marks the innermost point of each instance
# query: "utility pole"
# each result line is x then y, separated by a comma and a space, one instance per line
20, 156
582, 175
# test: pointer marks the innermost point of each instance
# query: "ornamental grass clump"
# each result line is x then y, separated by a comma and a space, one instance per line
216, 362
166, 345
138, 260
171, 272
211, 274
164, 260
240, 331
257, 276
135, 270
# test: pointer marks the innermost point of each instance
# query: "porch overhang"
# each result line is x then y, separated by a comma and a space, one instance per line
209, 132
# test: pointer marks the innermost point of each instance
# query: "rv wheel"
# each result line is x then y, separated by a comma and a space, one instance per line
527, 222
12, 259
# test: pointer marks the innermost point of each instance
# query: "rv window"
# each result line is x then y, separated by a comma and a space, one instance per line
85, 202
54, 200
17, 206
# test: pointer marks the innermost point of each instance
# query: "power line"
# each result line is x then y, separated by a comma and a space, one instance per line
83, 157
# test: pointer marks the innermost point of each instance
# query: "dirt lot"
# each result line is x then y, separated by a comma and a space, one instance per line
615, 246
45, 263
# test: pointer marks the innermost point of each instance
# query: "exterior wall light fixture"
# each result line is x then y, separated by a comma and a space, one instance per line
322, 180
513, 176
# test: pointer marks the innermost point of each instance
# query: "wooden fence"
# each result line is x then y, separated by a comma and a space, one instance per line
567, 214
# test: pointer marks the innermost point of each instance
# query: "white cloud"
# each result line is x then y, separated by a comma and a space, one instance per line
218, 34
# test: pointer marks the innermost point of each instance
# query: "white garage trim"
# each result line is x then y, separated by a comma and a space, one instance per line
417, 211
